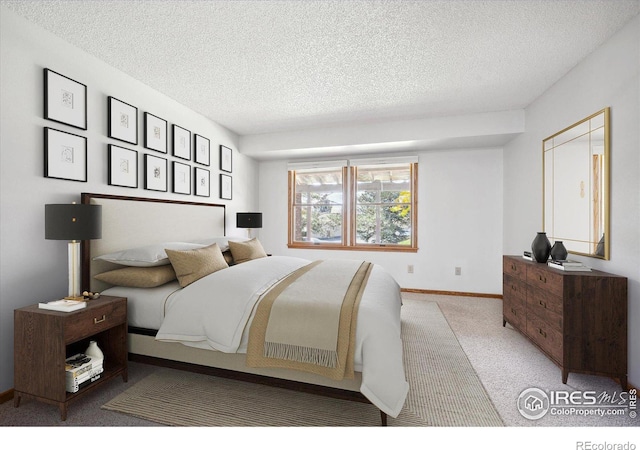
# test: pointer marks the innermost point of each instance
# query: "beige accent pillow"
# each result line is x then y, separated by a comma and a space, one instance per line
142, 277
191, 265
246, 251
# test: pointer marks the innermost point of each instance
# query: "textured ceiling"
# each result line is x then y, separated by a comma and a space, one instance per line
264, 66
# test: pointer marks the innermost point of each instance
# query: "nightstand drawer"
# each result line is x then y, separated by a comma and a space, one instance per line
94, 319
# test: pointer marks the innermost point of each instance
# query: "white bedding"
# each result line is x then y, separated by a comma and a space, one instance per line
145, 306
215, 313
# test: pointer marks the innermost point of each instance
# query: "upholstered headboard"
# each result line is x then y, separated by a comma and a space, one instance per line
129, 222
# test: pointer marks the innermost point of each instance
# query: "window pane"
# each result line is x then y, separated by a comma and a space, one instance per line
318, 224
383, 224
318, 206
383, 205
383, 185
319, 187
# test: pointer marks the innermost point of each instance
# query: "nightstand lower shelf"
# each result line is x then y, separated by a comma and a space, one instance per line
71, 397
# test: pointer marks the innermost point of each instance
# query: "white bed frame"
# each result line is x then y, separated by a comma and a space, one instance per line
129, 222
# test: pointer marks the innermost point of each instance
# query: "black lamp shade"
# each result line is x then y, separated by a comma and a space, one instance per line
72, 222
249, 220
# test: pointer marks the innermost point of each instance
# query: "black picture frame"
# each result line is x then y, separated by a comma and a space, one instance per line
65, 100
122, 121
155, 173
181, 179
226, 159
201, 150
181, 140
65, 155
201, 182
155, 133
226, 187
123, 166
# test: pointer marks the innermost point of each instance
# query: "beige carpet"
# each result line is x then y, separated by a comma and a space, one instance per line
444, 390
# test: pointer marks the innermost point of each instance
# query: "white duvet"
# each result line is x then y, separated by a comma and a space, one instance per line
215, 312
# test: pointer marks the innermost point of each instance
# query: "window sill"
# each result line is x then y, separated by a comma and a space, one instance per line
359, 248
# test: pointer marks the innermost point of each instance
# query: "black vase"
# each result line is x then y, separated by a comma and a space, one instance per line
558, 251
541, 247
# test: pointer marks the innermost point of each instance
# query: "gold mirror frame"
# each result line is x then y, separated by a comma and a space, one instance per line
575, 186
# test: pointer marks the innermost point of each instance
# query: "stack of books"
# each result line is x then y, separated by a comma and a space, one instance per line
527, 255
568, 265
81, 370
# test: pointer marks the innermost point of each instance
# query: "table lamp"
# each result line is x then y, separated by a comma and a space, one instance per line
249, 220
73, 222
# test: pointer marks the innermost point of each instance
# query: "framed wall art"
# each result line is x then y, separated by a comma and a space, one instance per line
123, 121
155, 173
225, 187
226, 159
123, 167
65, 155
155, 133
202, 182
202, 150
65, 100
181, 178
181, 142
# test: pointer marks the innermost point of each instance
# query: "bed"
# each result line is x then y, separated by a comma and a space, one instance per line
205, 325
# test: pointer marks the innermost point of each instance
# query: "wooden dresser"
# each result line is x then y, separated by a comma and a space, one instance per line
578, 319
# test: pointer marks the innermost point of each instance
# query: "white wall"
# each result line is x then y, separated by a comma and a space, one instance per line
33, 269
459, 223
607, 77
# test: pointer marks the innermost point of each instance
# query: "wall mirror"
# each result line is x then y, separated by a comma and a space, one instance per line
576, 186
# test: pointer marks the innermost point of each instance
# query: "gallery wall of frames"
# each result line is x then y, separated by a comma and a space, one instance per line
173, 157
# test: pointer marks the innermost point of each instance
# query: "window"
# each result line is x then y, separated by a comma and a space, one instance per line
359, 204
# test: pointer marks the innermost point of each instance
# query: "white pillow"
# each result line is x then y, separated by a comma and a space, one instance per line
147, 256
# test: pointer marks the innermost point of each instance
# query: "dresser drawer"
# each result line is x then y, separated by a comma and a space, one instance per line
515, 313
548, 338
94, 319
515, 268
543, 279
546, 306
513, 287
514, 294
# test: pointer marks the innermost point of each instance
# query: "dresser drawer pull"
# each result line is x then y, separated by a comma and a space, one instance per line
542, 332
96, 320
541, 278
543, 304
513, 311
513, 267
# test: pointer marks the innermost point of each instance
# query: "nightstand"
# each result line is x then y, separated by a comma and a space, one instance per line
43, 339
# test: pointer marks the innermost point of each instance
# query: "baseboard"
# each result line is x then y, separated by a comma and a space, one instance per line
459, 294
6, 396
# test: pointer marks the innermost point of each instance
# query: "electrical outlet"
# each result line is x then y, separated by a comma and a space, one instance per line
410, 268
458, 270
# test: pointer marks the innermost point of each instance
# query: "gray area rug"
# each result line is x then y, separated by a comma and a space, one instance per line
444, 390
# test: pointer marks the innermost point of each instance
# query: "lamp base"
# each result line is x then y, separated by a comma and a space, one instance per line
77, 299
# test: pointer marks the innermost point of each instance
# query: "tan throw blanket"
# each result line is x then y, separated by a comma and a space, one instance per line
308, 320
